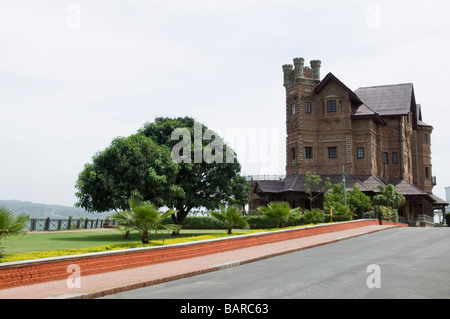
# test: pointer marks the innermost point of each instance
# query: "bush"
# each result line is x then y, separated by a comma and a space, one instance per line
385, 213
201, 222
341, 213
314, 216
262, 222
447, 218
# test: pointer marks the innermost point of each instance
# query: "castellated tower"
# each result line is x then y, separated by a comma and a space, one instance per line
300, 82
375, 133
318, 121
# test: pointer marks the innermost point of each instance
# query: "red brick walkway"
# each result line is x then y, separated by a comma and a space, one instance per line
92, 286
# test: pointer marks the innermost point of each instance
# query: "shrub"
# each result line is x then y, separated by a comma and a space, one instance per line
384, 213
230, 217
280, 213
11, 225
341, 213
314, 216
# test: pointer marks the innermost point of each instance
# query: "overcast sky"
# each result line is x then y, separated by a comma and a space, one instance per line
76, 74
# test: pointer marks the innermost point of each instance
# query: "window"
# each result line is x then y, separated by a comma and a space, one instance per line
360, 152
425, 138
308, 152
331, 106
293, 109
308, 109
385, 158
332, 152
293, 154
394, 158
427, 173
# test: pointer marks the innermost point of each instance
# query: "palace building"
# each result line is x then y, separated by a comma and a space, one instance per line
376, 135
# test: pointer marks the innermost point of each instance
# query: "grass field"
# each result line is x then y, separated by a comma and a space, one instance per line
35, 242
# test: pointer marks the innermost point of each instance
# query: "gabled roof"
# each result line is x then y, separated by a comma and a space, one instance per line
388, 100
331, 77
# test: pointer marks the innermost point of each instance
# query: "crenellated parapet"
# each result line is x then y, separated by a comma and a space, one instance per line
299, 72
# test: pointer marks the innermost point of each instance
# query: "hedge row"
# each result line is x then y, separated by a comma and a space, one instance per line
254, 221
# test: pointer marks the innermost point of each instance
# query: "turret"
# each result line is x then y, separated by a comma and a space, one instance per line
301, 73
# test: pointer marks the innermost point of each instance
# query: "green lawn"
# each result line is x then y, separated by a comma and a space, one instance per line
34, 242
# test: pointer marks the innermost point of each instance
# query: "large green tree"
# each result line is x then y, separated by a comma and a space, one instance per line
208, 170
133, 167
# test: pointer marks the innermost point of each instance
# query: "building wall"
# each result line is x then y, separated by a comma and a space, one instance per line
396, 150
423, 158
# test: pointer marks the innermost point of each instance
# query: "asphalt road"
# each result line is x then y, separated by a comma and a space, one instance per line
400, 263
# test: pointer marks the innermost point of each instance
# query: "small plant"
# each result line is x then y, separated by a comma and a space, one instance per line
341, 212
11, 225
314, 216
384, 213
230, 217
280, 213
143, 217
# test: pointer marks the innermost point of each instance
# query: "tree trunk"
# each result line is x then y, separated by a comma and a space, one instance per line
144, 237
179, 218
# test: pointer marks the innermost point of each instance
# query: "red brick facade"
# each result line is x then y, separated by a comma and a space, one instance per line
329, 127
374, 134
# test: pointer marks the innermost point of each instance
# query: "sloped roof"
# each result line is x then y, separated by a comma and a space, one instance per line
419, 117
296, 183
388, 99
365, 111
331, 77
439, 201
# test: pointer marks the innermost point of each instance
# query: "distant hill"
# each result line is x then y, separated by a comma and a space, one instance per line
36, 210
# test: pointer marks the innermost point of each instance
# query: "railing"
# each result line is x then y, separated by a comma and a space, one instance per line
265, 177
46, 224
425, 218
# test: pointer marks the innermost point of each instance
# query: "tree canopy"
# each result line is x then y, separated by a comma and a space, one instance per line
131, 167
173, 162
357, 201
205, 183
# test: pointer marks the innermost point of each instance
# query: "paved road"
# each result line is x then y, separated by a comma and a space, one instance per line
404, 262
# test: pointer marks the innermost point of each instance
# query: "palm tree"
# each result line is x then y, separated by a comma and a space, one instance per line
280, 213
143, 217
230, 216
341, 212
11, 225
389, 197
314, 216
